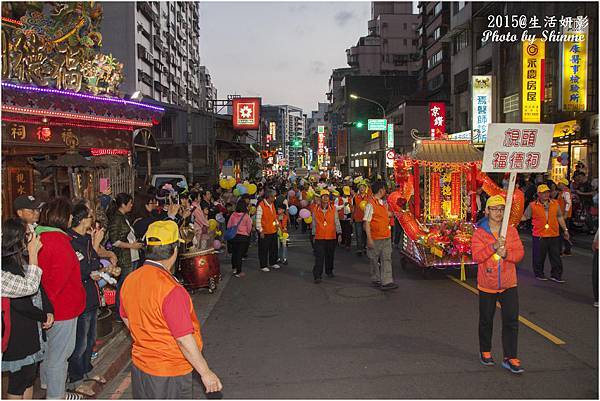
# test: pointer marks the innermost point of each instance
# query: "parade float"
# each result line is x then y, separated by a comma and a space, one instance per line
436, 205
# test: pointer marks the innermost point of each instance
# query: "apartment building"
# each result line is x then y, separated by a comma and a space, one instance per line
390, 47
285, 131
158, 43
319, 117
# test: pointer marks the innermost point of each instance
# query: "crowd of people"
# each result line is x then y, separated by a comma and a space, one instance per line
56, 256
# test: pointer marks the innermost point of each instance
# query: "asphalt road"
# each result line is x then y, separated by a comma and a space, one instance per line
279, 335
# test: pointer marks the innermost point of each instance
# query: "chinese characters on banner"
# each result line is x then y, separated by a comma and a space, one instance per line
437, 120
482, 107
517, 148
390, 136
272, 131
246, 113
574, 73
20, 182
533, 80
321, 144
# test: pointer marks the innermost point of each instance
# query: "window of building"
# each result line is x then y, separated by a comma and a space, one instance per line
511, 103
405, 26
437, 33
482, 43
405, 42
461, 41
457, 6
438, 8
434, 60
414, 42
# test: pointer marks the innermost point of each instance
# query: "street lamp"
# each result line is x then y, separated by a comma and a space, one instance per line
382, 158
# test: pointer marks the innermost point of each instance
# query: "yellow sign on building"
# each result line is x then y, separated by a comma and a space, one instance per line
533, 59
574, 73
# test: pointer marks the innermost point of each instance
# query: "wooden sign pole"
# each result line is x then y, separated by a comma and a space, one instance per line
509, 198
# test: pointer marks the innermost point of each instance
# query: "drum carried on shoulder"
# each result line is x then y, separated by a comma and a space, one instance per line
200, 269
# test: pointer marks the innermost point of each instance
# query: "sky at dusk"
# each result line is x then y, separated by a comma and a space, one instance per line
283, 52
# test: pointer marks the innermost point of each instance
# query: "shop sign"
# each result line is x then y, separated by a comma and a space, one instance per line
533, 80
574, 71
375, 135
517, 148
246, 113
482, 107
460, 136
565, 129
321, 144
376, 124
272, 131
321, 129
437, 120
20, 182
390, 136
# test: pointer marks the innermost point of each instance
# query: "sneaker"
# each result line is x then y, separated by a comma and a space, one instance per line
567, 253
285, 262
376, 284
265, 269
389, 286
486, 359
541, 278
238, 275
317, 280
69, 395
276, 266
557, 280
513, 365
596, 304
94, 356
44, 386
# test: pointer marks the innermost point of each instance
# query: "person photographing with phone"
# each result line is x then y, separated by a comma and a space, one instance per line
496, 259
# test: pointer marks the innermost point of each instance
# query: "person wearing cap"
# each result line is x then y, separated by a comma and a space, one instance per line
28, 209
326, 228
167, 343
266, 225
566, 208
379, 238
358, 214
546, 217
496, 259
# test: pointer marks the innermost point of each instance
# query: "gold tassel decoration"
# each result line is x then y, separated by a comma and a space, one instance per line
463, 273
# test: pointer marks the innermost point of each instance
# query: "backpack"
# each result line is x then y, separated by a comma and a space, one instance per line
232, 231
5, 322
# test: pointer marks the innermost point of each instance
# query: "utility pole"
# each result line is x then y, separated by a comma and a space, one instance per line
190, 164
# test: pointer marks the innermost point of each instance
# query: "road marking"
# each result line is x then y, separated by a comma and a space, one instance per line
526, 322
122, 387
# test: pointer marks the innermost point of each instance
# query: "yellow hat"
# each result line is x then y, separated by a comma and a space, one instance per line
324, 192
495, 200
346, 190
165, 232
542, 188
335, 193
563, 181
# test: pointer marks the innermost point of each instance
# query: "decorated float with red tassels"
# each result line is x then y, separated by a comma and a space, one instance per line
436, 202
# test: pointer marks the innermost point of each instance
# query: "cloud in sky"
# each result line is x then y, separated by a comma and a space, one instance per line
282, 52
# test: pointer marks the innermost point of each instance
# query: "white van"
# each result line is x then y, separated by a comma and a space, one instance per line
158, 180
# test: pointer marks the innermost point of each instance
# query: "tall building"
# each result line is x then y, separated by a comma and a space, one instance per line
390, 47
159, 44
285, 131
320, 117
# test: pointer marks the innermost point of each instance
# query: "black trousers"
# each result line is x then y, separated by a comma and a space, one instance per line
346, 232
267, 250
509, 300
595, 275
547, 246
397, 232
565, 245
324, 255
239, 248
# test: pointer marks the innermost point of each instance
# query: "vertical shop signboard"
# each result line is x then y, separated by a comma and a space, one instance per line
437, 120
390, 136
482, 107
20, 182
533, 80
574, 71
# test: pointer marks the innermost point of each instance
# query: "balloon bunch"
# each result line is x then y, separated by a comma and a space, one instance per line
227, 183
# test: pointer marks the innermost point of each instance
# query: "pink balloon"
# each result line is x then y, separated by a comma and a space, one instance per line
303, 203
217, 244
304, 213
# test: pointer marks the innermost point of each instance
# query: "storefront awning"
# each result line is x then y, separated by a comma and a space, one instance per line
446, 152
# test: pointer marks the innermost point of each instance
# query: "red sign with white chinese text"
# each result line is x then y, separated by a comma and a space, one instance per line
246, 113
517, 148
437, 120
321, 144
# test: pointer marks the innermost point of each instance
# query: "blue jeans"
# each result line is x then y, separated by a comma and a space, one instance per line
361, 236
120, 281
80, 362
53, 369
283, 250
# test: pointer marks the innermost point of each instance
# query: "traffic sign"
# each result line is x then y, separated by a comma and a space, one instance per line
390, 154
377, 124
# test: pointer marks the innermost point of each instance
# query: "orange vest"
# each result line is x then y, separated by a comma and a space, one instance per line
380, 223
542, 226
325, 222
563, 204
283, 222
269, 218
155, 350
340, 202
358, 213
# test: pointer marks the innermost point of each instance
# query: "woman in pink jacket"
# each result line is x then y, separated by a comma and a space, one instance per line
496, 259
240, 243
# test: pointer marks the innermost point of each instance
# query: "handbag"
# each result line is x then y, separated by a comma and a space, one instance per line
232, 231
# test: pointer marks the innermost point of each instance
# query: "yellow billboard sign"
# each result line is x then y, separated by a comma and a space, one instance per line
574, 71
375, 135
533, 80
565, 129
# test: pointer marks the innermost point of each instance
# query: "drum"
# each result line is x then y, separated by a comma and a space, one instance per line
200, 270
